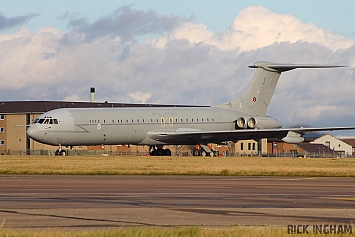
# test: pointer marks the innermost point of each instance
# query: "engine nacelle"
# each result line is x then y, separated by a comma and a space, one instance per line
263, 123
240, 123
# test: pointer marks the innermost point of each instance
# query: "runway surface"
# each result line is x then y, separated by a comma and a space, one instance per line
74, 202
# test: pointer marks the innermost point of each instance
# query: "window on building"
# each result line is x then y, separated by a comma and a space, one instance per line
241, 146
2, 129
249, 146
2, 142
253, 146
2, 117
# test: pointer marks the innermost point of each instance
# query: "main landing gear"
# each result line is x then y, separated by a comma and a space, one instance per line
203, 150
159, 151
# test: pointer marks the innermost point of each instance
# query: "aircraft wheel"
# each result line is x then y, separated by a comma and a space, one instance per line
159, 152
196, 152
203, 153
167, 152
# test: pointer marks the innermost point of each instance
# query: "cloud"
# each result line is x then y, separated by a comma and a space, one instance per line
10, 22
256, 27
140, 97
125, 23
140, 56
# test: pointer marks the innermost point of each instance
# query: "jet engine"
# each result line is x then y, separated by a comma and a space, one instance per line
240, 123
257, 122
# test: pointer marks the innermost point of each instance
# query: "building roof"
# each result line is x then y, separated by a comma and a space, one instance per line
315, 148
31, 107
350, 141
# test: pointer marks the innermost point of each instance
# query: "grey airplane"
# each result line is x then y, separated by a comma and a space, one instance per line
239, 119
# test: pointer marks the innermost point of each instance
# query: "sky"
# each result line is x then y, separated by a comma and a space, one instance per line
181, 52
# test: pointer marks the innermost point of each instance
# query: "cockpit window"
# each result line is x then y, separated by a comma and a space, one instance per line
46, 121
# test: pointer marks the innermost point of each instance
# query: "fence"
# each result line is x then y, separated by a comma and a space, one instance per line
73, 152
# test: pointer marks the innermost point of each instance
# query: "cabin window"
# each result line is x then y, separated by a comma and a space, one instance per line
138, 120
151, 120
241, 146
2, 117
104, 120
2, 130
126, 120
212, 120
113, 121
249, 146
208, 120
143, 120
202, 120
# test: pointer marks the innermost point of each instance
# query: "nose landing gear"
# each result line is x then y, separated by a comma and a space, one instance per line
60, 152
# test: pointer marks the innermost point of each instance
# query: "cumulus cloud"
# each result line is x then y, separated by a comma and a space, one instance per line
179, 62
256, 27
10, 22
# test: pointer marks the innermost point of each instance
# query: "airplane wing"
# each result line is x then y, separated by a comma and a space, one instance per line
187, 135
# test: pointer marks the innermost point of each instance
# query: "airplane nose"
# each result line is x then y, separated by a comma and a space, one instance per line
32, 131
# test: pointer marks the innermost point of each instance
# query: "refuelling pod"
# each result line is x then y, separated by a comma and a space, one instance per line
263, 123
293, 137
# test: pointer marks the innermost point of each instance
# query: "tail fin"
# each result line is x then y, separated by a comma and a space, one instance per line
256, 99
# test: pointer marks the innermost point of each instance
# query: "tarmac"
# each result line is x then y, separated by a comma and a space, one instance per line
94, 202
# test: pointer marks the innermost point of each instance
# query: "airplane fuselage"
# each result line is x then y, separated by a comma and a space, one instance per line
114, 126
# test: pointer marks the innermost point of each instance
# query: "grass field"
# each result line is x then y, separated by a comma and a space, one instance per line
143, 165
170, 232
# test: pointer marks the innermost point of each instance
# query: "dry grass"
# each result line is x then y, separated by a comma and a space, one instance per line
140, 165
172, 232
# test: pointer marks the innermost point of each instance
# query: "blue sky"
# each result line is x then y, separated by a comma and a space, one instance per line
180, 52
337, 16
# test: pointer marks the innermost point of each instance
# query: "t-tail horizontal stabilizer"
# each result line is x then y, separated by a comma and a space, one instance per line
256, 99
279, 67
